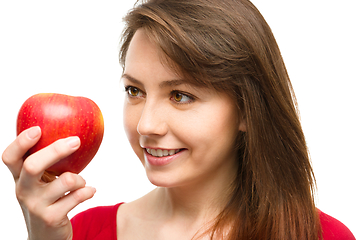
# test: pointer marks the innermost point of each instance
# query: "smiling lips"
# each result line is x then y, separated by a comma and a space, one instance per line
162, 153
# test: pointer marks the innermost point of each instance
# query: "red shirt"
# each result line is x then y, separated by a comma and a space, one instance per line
100, 223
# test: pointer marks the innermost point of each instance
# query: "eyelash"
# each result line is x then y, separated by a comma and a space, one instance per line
172, 95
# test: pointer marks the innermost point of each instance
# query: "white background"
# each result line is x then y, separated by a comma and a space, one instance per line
71, 47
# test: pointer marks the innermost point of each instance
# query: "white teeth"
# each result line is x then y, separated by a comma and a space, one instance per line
159, 153
162, 153
153, 152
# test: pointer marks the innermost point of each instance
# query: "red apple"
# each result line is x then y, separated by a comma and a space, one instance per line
61, 116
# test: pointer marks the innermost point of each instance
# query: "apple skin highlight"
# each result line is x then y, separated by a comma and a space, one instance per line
61, 116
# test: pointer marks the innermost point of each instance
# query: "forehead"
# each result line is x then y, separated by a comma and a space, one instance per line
145, 53
145, 58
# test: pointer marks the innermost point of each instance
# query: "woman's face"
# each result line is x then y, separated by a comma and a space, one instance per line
181, 133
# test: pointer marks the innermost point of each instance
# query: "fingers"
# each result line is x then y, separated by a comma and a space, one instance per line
45, 203
67, 182
55, 214
52, 195
49, 203
35, 165
13, 154
59, 204
71, 200
46, 218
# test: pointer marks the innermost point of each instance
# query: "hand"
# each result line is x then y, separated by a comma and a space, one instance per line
45, 203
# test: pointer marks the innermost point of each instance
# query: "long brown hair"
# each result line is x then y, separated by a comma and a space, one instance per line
228, 45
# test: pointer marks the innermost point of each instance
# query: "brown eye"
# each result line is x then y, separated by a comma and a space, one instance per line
133, 91
181, 98
178, 97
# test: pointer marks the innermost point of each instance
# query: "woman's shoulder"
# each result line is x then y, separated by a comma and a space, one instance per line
333, 229
95, 223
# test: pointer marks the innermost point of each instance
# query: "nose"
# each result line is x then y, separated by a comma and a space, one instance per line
153, 120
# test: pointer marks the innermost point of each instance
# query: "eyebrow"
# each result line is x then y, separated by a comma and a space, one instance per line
167, 83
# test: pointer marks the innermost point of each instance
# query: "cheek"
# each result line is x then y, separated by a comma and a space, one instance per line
214, 132
212, 129
131, 119
127, 120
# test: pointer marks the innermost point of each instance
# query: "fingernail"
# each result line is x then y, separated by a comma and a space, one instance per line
34, 132
73, 142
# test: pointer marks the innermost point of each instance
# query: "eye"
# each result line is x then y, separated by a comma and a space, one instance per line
133, 91
181, 98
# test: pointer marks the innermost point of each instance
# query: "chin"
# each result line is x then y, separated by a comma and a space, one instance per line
161, 179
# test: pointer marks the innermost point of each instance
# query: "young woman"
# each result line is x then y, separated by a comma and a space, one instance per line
211, 114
